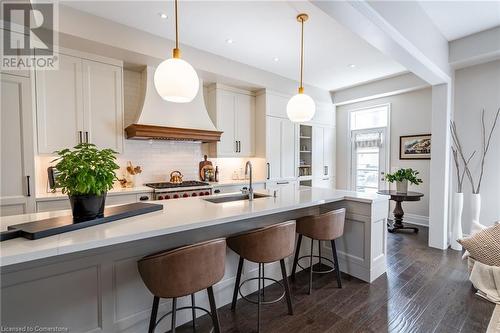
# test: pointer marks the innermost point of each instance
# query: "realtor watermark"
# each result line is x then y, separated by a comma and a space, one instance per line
35, 328
29, 35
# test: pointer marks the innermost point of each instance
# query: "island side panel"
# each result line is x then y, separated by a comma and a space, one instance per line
362, 249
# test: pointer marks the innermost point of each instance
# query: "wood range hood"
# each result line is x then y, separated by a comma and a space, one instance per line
161, 120
146, 132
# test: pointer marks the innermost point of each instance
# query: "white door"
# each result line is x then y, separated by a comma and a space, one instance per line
273, 149
245, 121
369, 156
17, 149
226, 122
288, 149
59, 105
103, 109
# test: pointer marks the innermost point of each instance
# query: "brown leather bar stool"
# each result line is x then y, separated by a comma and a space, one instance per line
184, 271
324, 227
265, 245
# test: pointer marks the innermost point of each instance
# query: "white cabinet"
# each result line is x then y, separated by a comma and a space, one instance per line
86, 97
103, 109
281, 149
323, 157
233, 112
59, 105
16, 146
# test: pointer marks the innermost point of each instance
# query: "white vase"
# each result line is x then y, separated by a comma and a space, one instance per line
475, 207
456, 220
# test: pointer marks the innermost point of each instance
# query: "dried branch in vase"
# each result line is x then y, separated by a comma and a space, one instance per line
486, 145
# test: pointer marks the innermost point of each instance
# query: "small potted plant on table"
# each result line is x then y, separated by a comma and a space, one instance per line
402, 177
86, 174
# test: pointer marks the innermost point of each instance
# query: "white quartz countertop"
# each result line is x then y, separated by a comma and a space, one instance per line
176, 216
116, 191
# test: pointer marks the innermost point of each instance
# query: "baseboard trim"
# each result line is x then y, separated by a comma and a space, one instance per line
417, 219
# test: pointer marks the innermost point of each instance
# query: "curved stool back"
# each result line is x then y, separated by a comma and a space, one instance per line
264, 245
324, 227
267, 244
184, 271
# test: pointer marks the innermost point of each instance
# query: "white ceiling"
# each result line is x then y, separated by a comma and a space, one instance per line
261, 31
457, 19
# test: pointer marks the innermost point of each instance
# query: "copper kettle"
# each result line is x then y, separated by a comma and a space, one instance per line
176, 177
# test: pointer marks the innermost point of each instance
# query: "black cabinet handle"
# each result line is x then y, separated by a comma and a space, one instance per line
217, 191
282, 183
86, 137
28, 185
236, 149
268, 170
144, 198
239, 146
80, 137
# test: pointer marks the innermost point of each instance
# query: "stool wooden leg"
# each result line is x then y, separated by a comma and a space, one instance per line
154, 313
193, 304
259, 298
311, 268
213, 310
237, 284
174, 312
296, 258
336, 260
287, 287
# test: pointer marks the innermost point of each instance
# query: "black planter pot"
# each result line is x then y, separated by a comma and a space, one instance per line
87, 207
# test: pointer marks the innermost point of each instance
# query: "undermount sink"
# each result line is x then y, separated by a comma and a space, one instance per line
236, 197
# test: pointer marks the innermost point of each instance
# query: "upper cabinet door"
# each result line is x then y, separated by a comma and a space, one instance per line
16, 146
103, 107
59, 104
273, 149
245, 124
288, 150
226, 121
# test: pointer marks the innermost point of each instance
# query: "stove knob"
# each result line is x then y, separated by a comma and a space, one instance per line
185, 195
194, 194
167, 197
160, 197
202, 194
207, 193
176, 196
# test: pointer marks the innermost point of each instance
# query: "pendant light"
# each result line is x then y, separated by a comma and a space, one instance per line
175, 79
301, 107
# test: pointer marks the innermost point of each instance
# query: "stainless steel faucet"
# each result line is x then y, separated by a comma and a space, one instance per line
250, 188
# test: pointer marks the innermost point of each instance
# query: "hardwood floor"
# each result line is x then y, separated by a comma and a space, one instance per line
424, 290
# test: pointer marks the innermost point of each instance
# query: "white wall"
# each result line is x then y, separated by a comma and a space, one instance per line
410, 114
478, 87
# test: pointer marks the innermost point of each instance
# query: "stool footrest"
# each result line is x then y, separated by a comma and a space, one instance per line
316, 271
182, 308
246, 298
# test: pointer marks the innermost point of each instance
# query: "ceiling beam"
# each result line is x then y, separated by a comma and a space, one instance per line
400, 30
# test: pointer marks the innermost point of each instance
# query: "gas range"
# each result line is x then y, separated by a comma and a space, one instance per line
190, 188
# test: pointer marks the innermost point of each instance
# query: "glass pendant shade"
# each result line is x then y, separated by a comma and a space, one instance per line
176, 81
300, 108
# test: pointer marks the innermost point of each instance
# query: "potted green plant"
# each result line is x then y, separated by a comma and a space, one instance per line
86, 174
402, 177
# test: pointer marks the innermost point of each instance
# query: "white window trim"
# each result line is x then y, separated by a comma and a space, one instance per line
349, 141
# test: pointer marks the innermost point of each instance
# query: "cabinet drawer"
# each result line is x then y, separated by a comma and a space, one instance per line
60, 204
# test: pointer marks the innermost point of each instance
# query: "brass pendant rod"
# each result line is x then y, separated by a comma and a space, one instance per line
301, 55
176, 28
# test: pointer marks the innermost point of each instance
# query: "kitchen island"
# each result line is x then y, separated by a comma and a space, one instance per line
87, 280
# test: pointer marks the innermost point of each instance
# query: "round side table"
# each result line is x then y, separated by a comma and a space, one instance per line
398, 210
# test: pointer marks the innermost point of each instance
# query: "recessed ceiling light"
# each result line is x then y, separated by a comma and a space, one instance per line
352, 66
276, 59
229, 41
163, 15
